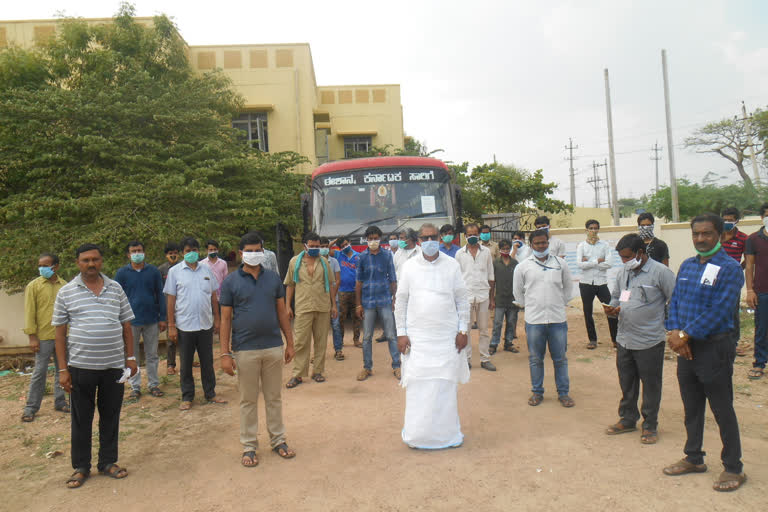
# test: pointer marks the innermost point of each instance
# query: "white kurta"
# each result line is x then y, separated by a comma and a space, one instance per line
432, 305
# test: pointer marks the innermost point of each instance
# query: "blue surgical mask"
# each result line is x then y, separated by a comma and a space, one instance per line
314, 252
191, 257
448, 239
485, 237
430, 247
137, 257
402, 244
46, 272
542, 254
324, 251
347, 249
729, 226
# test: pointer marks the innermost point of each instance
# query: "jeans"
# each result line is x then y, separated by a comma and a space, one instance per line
761, 331
510, 332
39, 375
588, 294
91, 389
387, 318
202, 341
640, 366
556, 336
709, 377
150, 333
338, 337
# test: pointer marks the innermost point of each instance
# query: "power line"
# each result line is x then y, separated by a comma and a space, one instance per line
570, 147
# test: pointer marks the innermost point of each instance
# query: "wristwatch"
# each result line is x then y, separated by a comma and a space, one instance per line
682, 334
463, 333
132, 358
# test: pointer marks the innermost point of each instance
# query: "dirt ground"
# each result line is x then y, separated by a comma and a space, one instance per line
351, 458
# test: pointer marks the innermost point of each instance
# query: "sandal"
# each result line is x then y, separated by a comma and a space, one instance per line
339, 355
114, 471
683, 467
619, 428
566, 401
511, 348
185, 406
250, 460
156, 392
592, 345
171, 370
283, 451
744, 350
318, 377
295, 381
78, 481
535, 399
649, 437
63, 408
755, 374
728, 482
216, 400
134, 397
28, 418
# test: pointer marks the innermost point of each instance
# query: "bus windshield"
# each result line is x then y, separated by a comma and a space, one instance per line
346, 202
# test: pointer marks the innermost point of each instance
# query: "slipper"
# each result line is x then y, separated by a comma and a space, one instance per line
649, 437
156, 392
619, 428
63, 408
117, 474
535, 399
283, 451
216, 400
318, 377
725, 481
78, 480
27, 418
250, 456
171, 370
295, 381
566, 401
755, 374
683, 467
592, 345
185, 406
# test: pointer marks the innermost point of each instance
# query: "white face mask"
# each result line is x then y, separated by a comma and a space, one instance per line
765, 222
632, 264
253, 258
373, 244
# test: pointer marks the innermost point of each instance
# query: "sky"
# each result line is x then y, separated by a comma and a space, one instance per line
510, 79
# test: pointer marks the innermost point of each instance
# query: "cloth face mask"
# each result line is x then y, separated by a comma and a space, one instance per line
430, 247
191, 257
253, 258
137, 257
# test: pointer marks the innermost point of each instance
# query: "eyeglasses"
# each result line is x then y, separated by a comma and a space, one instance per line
429, 237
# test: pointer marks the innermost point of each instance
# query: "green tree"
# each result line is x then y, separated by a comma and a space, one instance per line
695, 199
728, 138
498, 188
628, 206
107, 135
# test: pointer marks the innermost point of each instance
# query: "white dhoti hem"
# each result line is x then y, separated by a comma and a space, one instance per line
432, 414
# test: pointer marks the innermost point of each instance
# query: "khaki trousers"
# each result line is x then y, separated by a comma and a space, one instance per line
480, 313
306, 326
260, 370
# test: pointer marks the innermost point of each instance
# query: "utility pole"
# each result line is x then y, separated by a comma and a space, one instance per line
656, 150
611, 156
748, 129
607, 184
570, 147
595, 182
670, 143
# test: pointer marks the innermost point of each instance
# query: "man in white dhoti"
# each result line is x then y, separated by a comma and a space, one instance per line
432, 314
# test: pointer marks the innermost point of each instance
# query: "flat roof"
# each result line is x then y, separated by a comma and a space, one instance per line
381, 161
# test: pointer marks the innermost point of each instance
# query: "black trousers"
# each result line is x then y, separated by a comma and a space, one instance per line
588, 294
170, 351
91, 389
640, 366
709, 376
202, 341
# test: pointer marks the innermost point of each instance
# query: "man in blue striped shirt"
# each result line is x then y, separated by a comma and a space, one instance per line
700, 324
100, 345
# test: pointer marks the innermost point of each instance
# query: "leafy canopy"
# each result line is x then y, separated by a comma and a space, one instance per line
107, 135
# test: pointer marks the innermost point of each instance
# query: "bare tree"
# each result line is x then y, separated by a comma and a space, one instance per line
728, 138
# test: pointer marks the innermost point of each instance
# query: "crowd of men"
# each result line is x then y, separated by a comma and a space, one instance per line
426, 292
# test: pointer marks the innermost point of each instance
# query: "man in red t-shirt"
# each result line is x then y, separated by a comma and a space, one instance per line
756, 252
733, 241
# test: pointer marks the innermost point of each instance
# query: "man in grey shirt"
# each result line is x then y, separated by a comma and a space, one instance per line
642, 289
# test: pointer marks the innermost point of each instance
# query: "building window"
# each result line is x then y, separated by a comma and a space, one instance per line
254, 124
359, 144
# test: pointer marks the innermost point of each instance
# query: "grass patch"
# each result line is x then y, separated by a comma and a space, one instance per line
46, 446
584, 359
743, 389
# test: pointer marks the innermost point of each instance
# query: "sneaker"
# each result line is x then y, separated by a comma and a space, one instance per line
339, 355
381, 339
488, 366
492, 349
396, 373
364, 374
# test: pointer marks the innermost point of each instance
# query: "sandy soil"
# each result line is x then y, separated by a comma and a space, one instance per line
351, 457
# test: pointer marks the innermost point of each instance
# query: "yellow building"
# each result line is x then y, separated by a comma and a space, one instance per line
285, 109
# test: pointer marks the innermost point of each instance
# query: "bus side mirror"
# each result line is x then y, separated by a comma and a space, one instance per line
306, 211
459, 211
